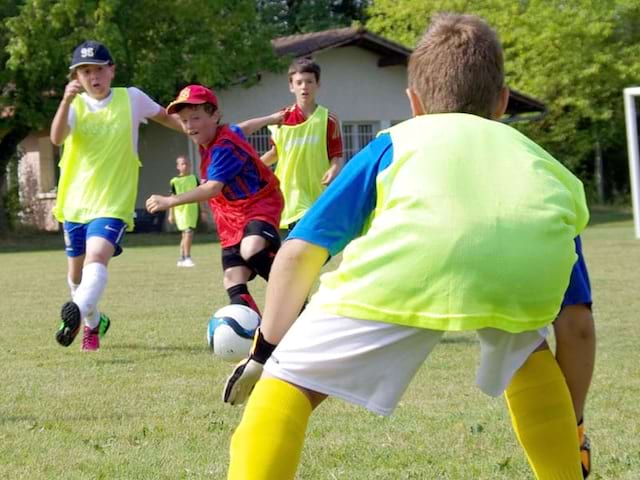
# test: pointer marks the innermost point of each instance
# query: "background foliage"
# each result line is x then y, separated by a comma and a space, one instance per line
158, 45
576, 56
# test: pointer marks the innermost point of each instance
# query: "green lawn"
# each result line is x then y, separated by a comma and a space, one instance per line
147, 405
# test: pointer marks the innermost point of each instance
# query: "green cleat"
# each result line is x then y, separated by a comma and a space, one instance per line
103, 325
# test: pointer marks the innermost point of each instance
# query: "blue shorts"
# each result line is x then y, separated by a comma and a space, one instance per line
579, 289
77, 234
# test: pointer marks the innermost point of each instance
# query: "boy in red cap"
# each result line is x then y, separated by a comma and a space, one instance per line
243, 193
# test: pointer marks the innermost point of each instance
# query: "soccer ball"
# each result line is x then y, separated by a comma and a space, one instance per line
230, 332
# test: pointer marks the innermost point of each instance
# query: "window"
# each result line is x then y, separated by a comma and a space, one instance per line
356, 135
260, 140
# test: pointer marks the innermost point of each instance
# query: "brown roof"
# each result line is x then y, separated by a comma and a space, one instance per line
390, 53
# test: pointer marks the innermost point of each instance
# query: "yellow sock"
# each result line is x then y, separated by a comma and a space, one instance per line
268, 442
543, 418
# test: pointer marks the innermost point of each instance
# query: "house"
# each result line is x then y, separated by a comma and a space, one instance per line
363, 82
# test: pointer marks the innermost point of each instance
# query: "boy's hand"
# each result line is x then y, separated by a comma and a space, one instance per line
330, 174
247, 373
170, 218
157, 203
73, 88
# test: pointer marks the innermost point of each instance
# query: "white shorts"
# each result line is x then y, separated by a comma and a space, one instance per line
372, 363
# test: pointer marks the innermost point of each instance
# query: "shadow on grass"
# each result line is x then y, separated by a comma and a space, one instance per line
458, 339
46, 241
161, 349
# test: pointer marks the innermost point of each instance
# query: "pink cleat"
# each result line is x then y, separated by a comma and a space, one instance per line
90, 339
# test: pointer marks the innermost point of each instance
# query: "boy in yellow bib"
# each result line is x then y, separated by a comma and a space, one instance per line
307, 144
98, 181
185, 217
455, 222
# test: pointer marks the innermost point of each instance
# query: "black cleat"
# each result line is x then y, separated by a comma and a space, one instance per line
70, 325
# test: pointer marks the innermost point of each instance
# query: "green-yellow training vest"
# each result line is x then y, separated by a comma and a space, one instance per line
302, 161
99, 166
185, 216
473, 227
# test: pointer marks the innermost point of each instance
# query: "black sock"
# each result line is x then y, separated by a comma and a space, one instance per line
239, 295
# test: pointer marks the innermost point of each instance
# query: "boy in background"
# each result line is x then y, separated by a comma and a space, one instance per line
242, 192
307, 145
456, 222
185, 217
98, 181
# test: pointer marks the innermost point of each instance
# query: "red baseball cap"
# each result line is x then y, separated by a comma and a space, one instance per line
193, 95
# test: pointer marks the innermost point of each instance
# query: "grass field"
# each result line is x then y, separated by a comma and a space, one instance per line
147, 405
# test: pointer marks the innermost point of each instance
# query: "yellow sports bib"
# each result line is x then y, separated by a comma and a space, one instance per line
302, 161
473, 227
99, 166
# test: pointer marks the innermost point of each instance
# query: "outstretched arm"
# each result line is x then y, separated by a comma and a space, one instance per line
159, 203
254, 124
294, 271
169, 121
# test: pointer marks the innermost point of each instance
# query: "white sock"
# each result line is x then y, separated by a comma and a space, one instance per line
72, 287
87, 296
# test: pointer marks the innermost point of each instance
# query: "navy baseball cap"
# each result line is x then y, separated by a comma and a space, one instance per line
90, 53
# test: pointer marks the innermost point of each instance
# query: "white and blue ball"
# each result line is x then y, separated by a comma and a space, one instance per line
231, 330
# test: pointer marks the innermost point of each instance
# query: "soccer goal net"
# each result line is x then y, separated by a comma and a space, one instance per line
631, 117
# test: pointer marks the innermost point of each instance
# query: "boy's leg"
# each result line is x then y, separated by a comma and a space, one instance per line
575, 353
103, 237
259, 246
235, 278
187, 241
543, 418
268, 442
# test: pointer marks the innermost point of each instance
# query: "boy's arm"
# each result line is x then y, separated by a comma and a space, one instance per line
169, 121
336, 165
252, 125
60, 124
294, 271
158, 203
270, 157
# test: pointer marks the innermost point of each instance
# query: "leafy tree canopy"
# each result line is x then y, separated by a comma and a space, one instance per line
575, 56
288, 17
158, 45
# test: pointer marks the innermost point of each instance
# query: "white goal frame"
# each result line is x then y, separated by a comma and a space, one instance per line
632, 146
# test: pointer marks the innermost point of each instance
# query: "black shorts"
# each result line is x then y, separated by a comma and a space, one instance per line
231, 255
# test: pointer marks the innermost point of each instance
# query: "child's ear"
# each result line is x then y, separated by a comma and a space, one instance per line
503, 102
416, 103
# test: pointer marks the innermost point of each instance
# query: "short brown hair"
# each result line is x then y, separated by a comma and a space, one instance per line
209, 108
304, 65
458, 66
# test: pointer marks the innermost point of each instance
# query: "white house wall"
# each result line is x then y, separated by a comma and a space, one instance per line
352, 86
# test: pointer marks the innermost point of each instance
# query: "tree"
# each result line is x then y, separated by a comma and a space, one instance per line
289, 17
158, 45
575, 56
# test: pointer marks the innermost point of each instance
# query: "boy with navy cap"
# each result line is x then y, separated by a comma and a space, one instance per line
98, 126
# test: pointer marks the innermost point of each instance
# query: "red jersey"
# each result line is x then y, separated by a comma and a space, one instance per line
294, 115
232, 214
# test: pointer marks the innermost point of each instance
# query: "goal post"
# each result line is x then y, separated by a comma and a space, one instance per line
631, 119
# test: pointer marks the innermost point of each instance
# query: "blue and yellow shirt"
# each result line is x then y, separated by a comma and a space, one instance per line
455, 222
